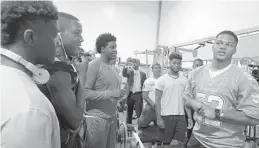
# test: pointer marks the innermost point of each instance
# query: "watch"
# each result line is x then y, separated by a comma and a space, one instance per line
218, 114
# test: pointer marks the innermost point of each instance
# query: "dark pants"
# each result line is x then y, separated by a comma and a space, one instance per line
147, 133
194, 143
175, 128
189, 131
134, 99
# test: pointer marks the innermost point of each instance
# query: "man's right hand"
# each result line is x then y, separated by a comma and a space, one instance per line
160, 123
130, 70
190, 123
196, 105
153, 105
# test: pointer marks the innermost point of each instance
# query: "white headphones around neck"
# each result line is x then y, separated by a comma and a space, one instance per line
40, 75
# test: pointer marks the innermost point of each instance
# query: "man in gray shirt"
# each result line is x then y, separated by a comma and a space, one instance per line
102, 92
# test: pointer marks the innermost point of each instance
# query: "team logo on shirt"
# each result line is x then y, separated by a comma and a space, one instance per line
150, 85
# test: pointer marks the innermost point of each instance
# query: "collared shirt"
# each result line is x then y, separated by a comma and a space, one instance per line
137, 82
28, 118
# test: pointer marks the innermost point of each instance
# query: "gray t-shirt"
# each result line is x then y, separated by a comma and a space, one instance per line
101, 78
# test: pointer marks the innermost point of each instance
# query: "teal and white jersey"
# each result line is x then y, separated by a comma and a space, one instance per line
232, 89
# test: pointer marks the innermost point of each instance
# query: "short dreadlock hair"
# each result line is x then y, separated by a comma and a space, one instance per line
14, 14
103, 40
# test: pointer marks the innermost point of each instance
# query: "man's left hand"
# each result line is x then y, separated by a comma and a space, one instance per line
207, 111
190, 123
153, 105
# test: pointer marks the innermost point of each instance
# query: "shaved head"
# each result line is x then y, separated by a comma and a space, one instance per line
65, 20
71, 33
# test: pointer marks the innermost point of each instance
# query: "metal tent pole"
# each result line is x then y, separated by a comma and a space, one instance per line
158, 22
146, 57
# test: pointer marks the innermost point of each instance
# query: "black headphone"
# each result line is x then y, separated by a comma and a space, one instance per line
61, 44
40, 75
